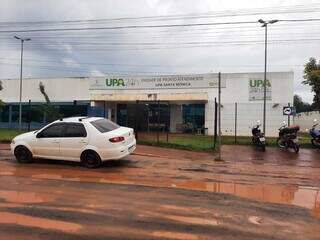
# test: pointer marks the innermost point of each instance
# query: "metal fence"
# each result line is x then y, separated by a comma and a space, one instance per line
37, 114
236, 120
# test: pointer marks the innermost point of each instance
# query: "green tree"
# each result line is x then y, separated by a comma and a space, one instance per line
43, 92
1, 102
312, 78
300, 105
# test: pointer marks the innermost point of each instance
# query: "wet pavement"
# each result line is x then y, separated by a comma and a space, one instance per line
164, 194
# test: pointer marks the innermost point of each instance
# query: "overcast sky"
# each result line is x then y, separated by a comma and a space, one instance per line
175, 50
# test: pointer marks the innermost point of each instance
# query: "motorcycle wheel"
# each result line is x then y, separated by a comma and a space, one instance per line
263, 147
315, 143
296, 147
280, 143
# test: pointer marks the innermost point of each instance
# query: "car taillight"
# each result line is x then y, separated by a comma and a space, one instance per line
116, 139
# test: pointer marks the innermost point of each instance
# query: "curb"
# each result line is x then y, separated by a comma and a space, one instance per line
3, 147
148, 155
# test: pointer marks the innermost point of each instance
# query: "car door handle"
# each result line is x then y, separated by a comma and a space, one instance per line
55, 141
82, 141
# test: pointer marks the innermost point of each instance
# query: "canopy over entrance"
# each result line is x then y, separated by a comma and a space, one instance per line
120, 97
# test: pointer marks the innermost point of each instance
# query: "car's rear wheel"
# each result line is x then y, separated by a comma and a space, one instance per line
90, 159
22, 154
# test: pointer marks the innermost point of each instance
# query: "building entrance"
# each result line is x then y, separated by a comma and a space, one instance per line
144, 116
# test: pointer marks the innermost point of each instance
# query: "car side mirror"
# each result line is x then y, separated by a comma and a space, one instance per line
39, 135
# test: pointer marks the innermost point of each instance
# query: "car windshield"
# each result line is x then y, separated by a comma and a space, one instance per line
104, 125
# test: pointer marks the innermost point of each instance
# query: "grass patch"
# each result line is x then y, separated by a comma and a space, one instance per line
205, 143
180, 145
6, 135
304, 141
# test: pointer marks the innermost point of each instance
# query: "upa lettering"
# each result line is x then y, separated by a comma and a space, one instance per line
114, 82
259, 83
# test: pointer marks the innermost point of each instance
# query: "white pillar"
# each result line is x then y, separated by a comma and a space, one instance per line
175, 116
209, 117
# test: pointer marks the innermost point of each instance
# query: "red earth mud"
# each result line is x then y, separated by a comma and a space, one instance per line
181, 196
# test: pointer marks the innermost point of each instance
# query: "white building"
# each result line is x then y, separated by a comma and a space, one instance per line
306, 119
185, 102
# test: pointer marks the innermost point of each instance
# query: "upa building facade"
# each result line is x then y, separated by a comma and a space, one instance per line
175, 103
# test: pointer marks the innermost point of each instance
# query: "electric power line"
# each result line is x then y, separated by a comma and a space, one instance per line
128, 27
131, 65
225, 13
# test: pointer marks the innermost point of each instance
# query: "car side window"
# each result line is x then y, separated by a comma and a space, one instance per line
75, 130
53, 131
104, 125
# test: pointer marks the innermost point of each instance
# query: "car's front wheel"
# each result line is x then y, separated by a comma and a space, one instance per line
23, 155
90, 159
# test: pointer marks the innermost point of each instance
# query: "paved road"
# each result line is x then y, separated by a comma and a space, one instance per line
164, 194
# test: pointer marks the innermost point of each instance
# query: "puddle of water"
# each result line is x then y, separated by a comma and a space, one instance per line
6, 173
178, 208
72, 209
47, 176
24, 197
175, 235
27, 221
193, 220
10, 205
255, 220
294, 195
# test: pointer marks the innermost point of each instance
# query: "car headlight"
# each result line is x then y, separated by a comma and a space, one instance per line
12, 141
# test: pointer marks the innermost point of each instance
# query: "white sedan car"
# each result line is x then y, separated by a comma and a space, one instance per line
89, 140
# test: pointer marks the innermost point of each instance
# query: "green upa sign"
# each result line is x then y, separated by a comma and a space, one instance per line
115, 82
256, 89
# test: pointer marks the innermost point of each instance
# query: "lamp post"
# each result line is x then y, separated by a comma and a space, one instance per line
265, 25
20, 91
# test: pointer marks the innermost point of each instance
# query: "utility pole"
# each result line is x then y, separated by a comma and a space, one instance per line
265, 25
20, 90
288, 116
219, 118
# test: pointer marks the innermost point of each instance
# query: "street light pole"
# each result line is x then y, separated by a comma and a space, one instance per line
265, 78
20, 90
265, 25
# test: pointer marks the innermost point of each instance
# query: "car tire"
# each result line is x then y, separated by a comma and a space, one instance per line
23, 155
90, 159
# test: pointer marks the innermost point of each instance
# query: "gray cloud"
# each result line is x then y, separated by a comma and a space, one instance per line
63, 58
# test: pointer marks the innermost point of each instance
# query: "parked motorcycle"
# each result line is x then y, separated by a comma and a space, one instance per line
315, 134
288, 137
258, 138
